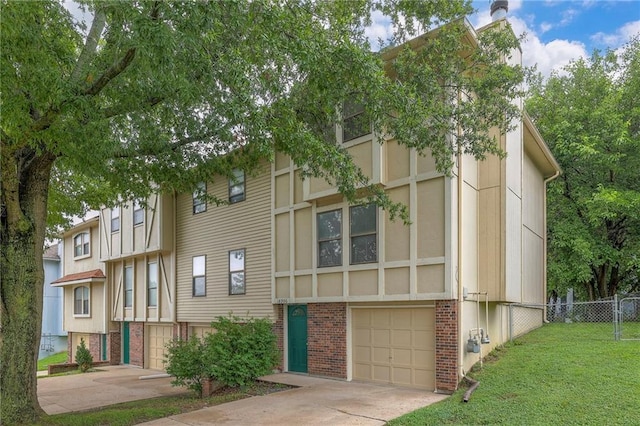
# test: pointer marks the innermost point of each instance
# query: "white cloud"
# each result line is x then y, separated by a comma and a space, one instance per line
621, 36
545, 26
380, 28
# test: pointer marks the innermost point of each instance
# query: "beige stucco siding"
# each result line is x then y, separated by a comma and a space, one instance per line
75, 264
96, 321
213, 233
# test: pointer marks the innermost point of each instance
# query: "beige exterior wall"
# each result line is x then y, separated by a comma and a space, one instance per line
96, 321
74, 265
213, 233
413, 260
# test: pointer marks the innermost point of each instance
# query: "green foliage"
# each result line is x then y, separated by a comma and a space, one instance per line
589, 117
57, 358
240, 350
83, 357
184, 360
569, 374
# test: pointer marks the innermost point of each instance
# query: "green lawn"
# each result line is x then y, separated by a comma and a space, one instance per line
58, 358
554, 375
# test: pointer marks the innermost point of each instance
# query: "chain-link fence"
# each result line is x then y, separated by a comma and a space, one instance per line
615, 318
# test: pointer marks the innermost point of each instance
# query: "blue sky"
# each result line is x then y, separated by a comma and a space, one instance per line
558, 31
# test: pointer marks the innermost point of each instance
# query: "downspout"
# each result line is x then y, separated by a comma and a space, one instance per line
459, 266
544, 242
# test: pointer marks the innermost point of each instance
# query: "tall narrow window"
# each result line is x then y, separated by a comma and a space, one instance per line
236, 186
330, 238
199, 276
236, 272
115, 219
152, 285
355, 122
199, 202
81, 245
363, 225
138, 213
81, 301
128, 286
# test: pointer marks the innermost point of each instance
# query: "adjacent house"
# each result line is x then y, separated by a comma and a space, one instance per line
352, 294
54, 338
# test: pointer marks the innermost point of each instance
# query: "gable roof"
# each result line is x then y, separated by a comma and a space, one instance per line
95, 275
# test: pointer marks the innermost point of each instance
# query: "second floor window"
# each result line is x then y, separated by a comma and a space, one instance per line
81, 245
355, 121
152, 285
199, 276
236, 186
330, 238
128, 286
115, 219
199, 202
81, 301
138, 213
237, 284
363, 225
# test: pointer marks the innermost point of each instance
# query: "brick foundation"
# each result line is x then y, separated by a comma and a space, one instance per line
114, 347
181, 331
327, 339
278, 330
95, 344
70, 348
136, 343
447, 341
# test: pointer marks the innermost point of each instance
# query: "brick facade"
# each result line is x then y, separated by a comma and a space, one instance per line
114, 350
136, 343
181, 331
278, 330
447, 341
95, 346
327, 339
70, 348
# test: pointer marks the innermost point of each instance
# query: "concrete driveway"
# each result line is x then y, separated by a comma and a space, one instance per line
109, 385
314, 402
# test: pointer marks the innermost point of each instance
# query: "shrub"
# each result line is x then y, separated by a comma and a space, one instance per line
184, 359
240, 350
83, 357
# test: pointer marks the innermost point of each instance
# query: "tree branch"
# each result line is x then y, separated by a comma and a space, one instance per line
111, 73
97, 26
172, 147
124, 109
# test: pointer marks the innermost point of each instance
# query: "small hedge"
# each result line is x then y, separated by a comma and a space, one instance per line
235, 355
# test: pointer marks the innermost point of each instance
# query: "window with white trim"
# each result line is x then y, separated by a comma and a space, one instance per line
115, 219
199, 268
81, 245
199, 202
152, 284
236, 186
363, 224
138, 213
128, 286
330, 238
81, 301
237, 283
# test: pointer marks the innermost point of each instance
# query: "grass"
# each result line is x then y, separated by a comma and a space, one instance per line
557, 374
134, 412
57, 358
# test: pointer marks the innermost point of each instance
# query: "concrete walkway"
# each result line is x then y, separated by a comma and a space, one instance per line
315, 402
109, 385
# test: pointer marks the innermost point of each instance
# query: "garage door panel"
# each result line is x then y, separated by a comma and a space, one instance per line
159, 337
394, 345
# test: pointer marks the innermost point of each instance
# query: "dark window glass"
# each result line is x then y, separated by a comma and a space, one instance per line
330, 238
236, 187
363, 225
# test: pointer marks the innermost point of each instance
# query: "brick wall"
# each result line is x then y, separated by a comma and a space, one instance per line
70, 347
94, 344
114, 347
136, 343
181, 330
327, 339
447, 341
278, 330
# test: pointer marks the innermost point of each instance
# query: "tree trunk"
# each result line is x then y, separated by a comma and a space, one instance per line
24, 202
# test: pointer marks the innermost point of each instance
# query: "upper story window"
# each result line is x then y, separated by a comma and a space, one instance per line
237, 283
330, 238
363, 223
138, 213
115, 219
128, 286
152, 284
355, 122
236, 186
81, 301
199, 202
199, 276
81, 245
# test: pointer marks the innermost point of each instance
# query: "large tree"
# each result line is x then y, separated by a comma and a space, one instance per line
158, 96
589, 115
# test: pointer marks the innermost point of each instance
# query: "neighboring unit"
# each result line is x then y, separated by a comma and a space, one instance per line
54, 338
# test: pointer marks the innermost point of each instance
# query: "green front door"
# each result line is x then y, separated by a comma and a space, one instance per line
125, 343
297, 338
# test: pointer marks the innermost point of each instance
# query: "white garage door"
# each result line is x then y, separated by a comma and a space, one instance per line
159, 336
394, 345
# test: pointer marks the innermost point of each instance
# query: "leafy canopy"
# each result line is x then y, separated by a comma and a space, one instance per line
590, 116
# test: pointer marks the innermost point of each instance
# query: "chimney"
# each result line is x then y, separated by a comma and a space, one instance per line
499, 9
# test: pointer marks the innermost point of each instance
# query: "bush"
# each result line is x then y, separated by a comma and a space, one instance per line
83, 357
240, 350
184, 359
